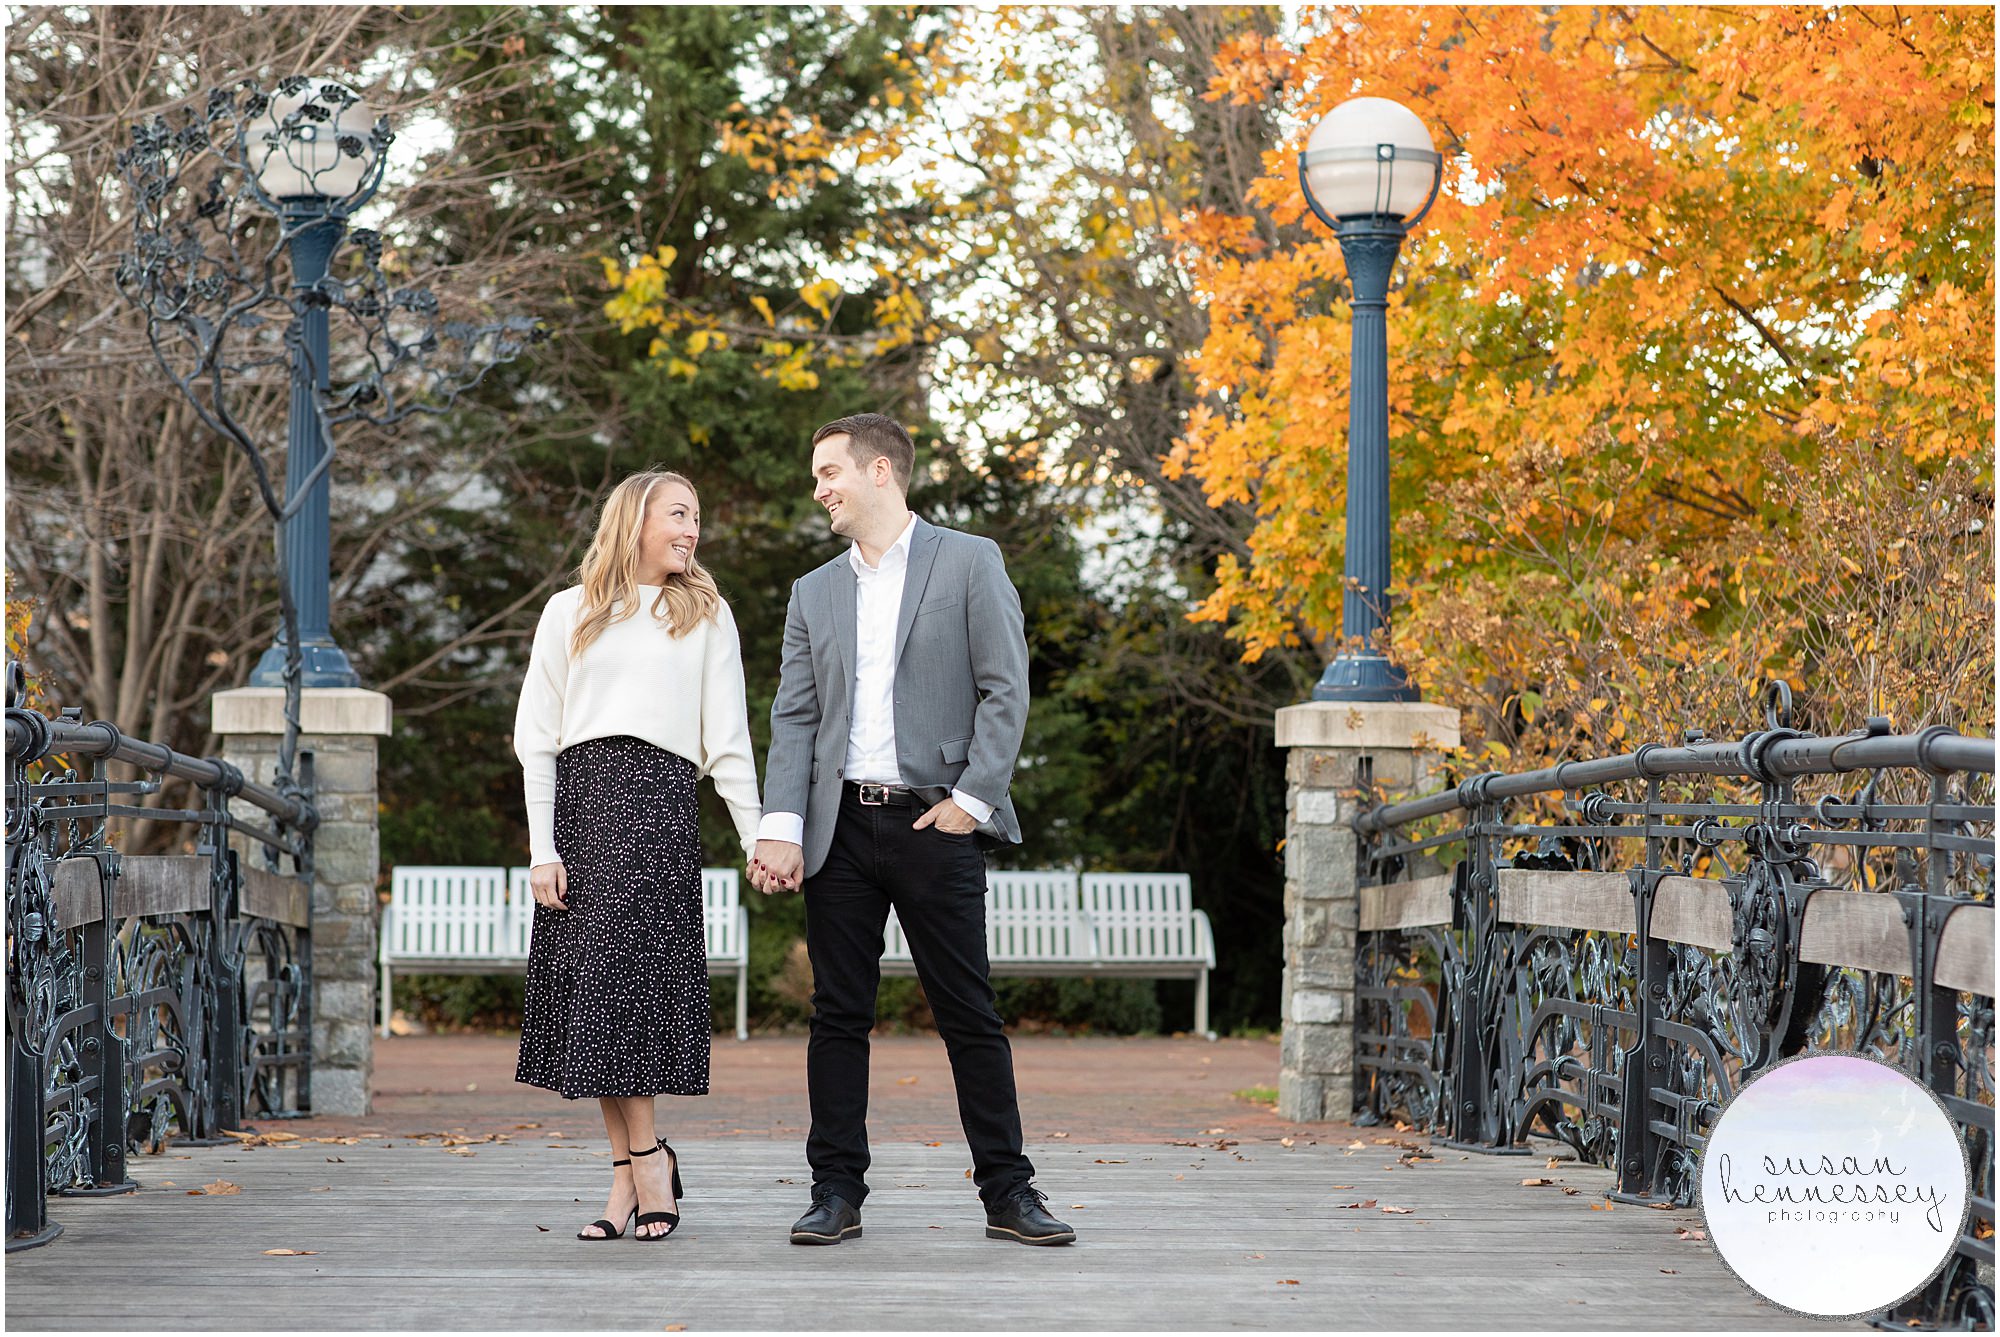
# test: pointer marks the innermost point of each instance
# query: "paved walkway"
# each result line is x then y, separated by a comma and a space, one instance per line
454, 1209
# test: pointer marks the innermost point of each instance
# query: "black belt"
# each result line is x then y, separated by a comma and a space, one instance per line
877, 796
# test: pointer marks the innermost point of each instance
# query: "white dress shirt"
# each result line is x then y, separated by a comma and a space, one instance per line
871, 736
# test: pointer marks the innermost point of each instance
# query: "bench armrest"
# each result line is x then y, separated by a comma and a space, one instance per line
1204, 937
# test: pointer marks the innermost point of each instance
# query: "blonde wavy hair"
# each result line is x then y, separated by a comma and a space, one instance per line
609, 573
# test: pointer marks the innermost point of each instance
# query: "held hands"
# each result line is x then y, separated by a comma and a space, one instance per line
777, 865
949, 818
550, 883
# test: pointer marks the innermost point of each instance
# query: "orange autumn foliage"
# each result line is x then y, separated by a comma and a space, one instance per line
1705, 310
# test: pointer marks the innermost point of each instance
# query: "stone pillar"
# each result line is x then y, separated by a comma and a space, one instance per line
339, 726
1338, 749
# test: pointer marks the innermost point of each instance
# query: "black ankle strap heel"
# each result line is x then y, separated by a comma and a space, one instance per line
671, 1220
611, 1232
679, 1192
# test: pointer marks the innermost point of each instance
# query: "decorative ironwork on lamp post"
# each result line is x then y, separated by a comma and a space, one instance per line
1369, 172
218, 201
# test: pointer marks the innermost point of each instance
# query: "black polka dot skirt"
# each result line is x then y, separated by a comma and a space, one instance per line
617, 992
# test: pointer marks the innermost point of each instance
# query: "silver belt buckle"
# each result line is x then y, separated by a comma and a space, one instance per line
874, 796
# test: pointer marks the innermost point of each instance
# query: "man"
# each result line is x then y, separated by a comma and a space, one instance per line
900, 706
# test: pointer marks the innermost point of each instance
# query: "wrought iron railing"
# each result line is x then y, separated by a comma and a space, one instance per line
148, 996
1617, 945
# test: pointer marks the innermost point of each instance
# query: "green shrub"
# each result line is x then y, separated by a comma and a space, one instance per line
1116, 1007
781, 996
459, 1002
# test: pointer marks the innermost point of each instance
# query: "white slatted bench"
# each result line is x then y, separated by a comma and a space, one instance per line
1127, 925
476, 921
1147, 927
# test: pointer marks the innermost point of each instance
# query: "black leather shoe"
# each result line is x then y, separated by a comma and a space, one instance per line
1021, 1219
831, 1220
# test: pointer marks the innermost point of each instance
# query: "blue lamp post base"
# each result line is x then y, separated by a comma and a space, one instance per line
1364, 678
326, 665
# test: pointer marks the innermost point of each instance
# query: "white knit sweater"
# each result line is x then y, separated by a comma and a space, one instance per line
684, 694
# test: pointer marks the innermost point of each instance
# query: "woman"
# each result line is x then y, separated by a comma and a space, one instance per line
634, 692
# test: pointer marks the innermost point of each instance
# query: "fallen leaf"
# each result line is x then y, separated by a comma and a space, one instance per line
1288, 1282
906, 1081
1365, 1202
1180, 1176
968, 1174
460, 1151
1555, 1162
1058, 1134
545, 1229
1398, 1211
1569, 1192
1285, 1142
238, 1134
1343, 1186
1600, 1207
290, 1253
933, 1144
1102, 1161
472, 1086
1690, 1235
1661, 1206
675, 1327
1536, 1183
323, 1188
1357, 1145
220, 1188
1213, 1132
336, 1160
558, 1135
1668, 1271
520, 1125
1253, 1255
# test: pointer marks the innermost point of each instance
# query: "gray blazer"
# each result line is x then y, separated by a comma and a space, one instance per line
961, 693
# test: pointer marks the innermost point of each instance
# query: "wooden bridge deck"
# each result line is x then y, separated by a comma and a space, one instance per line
402, 1233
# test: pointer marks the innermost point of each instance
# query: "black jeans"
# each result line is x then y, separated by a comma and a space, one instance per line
937, 882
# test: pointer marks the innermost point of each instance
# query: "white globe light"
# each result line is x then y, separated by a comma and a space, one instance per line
1371, 156
297, 154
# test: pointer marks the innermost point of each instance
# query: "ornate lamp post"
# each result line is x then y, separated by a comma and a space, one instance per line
1369, 172
313, 169
217, 202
